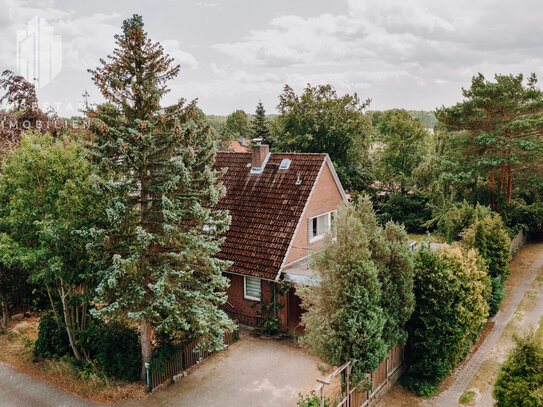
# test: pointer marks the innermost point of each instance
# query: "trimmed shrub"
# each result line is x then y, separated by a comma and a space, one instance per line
52, 339
451, 290
520, 379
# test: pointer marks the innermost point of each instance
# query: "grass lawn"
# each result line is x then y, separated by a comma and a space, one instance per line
17, 349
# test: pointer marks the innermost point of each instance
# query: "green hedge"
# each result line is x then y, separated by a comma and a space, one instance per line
520, 380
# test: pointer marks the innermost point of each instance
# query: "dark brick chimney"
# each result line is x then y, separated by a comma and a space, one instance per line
260, 151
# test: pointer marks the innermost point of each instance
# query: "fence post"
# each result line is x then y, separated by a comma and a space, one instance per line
149, 384
347, 385
322, 395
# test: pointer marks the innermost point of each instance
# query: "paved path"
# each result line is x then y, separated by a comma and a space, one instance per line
20, 390
464, 376
251, 372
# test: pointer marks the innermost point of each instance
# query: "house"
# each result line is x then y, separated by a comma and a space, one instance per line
282, 205
239, 146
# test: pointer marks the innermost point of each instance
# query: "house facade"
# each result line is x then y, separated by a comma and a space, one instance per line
282, 205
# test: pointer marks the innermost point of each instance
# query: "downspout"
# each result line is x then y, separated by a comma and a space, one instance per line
274, 299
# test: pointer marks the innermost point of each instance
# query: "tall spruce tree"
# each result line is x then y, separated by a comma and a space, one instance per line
260, 123
158, 264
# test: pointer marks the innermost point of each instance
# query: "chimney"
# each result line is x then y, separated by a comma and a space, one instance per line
260, 151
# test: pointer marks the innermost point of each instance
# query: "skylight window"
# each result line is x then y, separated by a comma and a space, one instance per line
285, 164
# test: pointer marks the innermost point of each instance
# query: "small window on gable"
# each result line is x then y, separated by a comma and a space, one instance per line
320, 225
252, 288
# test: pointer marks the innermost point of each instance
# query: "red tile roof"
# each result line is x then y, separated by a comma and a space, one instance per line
236, 147
265, 209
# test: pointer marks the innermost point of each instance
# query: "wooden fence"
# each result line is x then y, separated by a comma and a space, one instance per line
380, 381
518, 241
183, 359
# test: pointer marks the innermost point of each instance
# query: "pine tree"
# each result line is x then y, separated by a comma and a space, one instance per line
158, 264
260, 123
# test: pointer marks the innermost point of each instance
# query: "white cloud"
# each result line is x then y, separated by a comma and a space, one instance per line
185, 59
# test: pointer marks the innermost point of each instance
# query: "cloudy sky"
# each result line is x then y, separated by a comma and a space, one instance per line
415, 54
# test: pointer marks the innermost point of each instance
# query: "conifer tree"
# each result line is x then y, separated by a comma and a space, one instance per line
360, 307
158, 266
260, 123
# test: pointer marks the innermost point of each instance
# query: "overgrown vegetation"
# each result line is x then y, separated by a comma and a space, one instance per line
358, 310
452, 290
520, 380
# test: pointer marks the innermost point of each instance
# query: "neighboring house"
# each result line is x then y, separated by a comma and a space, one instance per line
239, 146
282, 205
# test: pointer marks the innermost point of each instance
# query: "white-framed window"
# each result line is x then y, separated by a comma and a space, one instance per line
320, 225
251, 288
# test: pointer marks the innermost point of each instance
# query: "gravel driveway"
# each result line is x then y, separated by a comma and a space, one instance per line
252, 372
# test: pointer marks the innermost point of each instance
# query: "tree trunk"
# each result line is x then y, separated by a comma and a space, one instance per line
69, 324
5, 315
146, 331
509, 186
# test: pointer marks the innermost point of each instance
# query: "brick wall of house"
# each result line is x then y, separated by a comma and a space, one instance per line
326, 197
248, 311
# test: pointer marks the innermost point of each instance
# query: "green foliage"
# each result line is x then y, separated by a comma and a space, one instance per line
311, 400
52, 339
498, 294
489, 236
494, 135
451, 289
359, 308
270, 322
46, 190
422, 387
115, 347
112, 347
320, 121
260, 126
238, 125
404, 138
520, 379
157, 261
527, 217
411, 210
451, 220
427, 118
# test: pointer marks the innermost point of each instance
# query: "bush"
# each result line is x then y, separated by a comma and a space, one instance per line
52, 339
520, 378
451, 291
421, 387
526, 217
115, 348
311, 400
453, 220
490, 238
410, 210
498, 294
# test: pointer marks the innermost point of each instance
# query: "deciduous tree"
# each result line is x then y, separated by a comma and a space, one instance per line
321, 121
46, 196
